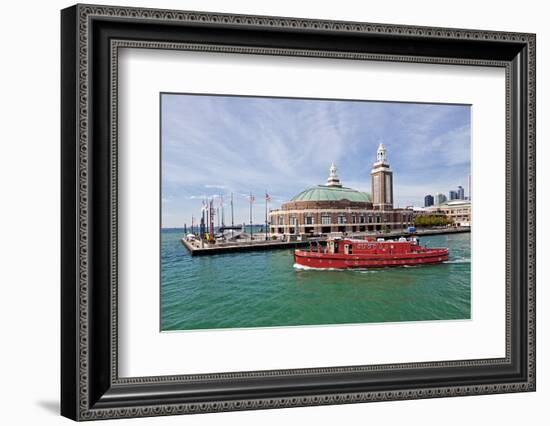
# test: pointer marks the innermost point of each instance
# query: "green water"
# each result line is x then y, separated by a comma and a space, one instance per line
263, 289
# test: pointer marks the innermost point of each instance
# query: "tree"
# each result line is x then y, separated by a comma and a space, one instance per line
431, 220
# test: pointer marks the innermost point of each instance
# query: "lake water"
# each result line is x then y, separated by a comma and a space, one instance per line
263, 289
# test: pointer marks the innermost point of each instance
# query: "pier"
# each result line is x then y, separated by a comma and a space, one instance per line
198, 248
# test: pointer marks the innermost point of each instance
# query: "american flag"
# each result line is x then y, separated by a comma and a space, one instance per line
267, 197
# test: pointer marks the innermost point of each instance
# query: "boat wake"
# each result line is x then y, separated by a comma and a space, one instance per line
458, 261
361, 270
309, 268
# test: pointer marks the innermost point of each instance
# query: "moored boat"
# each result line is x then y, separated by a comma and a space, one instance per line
342, 253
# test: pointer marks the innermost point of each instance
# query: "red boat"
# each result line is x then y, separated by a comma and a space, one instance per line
341, 253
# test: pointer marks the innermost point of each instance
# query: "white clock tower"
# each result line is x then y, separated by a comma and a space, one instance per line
382, 181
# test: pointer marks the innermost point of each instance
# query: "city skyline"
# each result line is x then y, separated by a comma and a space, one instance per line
215, 145
457, 193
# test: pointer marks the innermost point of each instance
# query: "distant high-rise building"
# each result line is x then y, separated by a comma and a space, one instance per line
460, 193
440, 199
453, 195
428, 200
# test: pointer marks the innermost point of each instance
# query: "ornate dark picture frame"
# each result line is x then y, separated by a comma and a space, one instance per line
90, 385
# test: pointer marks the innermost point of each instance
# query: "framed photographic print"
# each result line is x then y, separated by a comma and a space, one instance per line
263, 212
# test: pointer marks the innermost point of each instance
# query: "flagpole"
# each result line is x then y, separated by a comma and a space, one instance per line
208, 216
250, 215
204, 221
223, 218
231, 215
211, 219
201, 229
266, 196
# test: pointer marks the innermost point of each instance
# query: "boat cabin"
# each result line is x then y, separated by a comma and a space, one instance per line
362, 247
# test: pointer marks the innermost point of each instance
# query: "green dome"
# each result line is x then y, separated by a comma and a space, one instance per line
331, 193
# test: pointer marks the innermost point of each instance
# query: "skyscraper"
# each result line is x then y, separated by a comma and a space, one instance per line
460, 193
440, 199
428, 200
453, 195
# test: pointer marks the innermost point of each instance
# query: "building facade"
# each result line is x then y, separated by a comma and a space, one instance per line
331, 208
460, 211
428, 200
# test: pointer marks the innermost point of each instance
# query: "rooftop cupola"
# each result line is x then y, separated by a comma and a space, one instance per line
333, 179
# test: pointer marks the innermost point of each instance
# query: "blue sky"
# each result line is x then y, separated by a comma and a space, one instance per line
215, 145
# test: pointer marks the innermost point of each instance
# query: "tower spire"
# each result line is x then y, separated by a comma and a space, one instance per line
381, 154
333, 179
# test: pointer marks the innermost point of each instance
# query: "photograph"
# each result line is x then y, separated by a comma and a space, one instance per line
280, 211
290, 207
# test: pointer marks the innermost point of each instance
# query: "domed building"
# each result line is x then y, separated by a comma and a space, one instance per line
329, 208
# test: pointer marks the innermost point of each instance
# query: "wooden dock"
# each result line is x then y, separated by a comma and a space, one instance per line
196, 248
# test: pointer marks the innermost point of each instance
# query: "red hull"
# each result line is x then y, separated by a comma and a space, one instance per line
374, 255
348, 262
